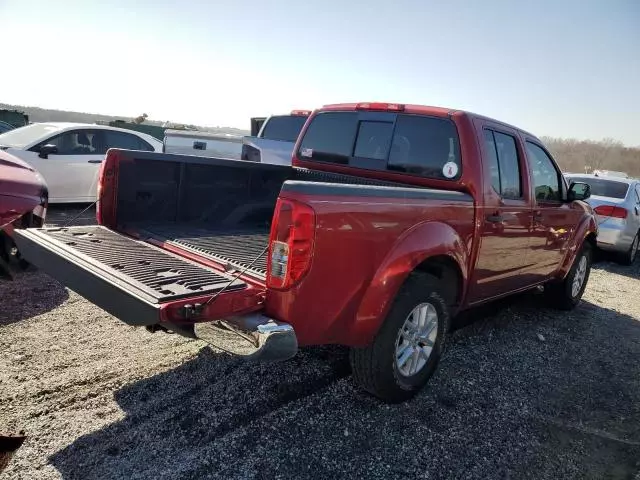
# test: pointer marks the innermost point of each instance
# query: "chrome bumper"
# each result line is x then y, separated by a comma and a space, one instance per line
253, 337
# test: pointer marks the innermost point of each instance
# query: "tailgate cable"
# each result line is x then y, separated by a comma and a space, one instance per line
78, 215
189, 310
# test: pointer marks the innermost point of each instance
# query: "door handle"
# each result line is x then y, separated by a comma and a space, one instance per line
94, 161
495, 218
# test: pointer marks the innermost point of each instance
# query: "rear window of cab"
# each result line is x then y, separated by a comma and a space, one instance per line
394, 142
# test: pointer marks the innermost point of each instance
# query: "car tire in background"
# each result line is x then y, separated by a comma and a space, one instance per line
567, 293
629, 257
406, 350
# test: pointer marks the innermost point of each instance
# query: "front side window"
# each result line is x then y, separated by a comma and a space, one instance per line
546, 178
504, 164
406, 143
75, 142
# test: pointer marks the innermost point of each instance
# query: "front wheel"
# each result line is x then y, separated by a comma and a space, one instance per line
406, 350
567, 293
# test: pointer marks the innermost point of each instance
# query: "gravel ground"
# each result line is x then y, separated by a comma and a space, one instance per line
522, 392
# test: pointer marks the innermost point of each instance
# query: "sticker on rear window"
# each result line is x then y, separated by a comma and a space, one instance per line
306, 152
450, 169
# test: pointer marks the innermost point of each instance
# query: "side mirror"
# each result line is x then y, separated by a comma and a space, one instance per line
47, 149
578, 191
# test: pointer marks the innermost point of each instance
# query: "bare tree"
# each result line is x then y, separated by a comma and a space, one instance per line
587, 155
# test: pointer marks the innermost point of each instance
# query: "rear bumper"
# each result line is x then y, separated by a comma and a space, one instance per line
614, 237
253, 337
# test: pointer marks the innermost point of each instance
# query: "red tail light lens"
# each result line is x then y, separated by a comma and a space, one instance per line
611, 211
107, 187
301, 112
290, 244
388, 107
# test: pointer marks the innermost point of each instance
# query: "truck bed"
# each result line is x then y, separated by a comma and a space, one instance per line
175, 228
241, 249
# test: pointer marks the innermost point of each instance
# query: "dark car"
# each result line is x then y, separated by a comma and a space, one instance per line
5, 127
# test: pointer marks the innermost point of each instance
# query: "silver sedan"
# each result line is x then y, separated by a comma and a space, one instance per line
616, 202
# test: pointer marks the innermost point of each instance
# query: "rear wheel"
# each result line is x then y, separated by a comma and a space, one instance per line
566, 294
630, 256
406, 350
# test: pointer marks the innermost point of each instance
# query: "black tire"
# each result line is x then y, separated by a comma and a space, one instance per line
560, 294
630, 256
375, 368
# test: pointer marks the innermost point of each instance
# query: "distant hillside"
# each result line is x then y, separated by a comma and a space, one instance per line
37, 114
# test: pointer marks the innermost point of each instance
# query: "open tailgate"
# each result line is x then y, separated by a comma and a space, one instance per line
128, 278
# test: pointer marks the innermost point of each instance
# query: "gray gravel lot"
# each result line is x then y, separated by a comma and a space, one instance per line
522, 392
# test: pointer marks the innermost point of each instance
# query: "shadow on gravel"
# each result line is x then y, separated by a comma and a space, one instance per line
522, 392
609, 263
31, 293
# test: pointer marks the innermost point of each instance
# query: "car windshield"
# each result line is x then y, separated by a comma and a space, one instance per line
604, 188
285, 127
20, 137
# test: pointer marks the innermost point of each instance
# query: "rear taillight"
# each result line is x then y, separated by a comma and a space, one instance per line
290, 244
611, 211
107, 186
301, 112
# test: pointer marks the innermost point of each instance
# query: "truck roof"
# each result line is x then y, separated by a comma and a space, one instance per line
422, 110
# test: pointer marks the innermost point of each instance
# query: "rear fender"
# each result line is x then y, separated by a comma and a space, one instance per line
586, 227
423, 241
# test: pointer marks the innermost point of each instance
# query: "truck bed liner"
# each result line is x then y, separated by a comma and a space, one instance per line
238, 247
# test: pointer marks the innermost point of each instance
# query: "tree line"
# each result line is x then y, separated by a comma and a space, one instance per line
584, 156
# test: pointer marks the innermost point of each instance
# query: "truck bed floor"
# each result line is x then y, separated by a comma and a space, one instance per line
238, 248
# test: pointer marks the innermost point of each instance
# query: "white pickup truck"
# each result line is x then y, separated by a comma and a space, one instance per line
276, 138
202, 144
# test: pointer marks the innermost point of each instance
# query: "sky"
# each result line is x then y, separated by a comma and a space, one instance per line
564, 68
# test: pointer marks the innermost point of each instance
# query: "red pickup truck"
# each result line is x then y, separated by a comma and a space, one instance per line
392, 219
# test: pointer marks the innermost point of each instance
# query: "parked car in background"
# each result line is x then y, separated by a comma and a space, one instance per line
5, 127
610, 173
17, 118
68, 155
616, 201
23, 204
276, 138
202, 144
392, 219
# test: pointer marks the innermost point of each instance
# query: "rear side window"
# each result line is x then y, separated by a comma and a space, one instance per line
413, 144
504, 164
604, 188
284, 127
114, 139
